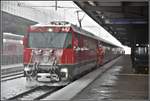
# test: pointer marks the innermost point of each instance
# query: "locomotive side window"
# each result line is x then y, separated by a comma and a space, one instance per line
80, 40
92, 44
68, 42
47, 40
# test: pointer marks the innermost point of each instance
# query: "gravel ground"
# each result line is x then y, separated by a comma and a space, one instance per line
13, 87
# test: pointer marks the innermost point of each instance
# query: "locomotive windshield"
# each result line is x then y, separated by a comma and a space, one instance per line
48, 39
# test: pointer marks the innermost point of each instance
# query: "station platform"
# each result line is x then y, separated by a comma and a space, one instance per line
116, 83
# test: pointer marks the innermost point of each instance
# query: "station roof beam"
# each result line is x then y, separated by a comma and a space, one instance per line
125, 20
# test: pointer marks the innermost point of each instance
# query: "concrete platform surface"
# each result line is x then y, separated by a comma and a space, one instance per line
118, 84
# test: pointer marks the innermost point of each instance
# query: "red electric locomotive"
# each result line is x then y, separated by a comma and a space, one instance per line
59, 52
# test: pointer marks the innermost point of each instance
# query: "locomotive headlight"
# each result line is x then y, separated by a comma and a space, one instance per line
64, 72
50, 30
27, 68
28, 71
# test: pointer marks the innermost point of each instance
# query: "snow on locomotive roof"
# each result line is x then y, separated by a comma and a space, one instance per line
78, 29
54, 23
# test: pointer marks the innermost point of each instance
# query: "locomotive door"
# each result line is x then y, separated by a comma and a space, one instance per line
77, 47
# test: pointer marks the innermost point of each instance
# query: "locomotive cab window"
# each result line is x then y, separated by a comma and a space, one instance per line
48, 39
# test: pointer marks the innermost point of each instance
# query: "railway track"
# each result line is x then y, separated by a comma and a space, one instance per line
35, 93
11, 76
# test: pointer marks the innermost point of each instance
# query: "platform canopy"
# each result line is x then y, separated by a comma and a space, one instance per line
127, 20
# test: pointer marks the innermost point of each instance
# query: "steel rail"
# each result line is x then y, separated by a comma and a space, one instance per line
11, 76
25, 94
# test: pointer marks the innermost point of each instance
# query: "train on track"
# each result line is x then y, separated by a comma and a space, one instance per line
59, 52
12, 49
139, 57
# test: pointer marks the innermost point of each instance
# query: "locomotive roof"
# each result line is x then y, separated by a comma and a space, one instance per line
86, 33
75, 28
